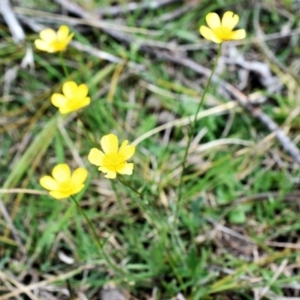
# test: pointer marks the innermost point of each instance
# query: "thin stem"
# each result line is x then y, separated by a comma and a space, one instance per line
99, 245
192, 130
63, 64
141, 202
90, 224
87, 134
129, 186
121, 204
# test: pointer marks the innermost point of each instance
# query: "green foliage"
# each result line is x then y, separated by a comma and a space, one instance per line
239, 190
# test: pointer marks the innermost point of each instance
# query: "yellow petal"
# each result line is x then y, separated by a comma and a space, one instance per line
230, 20
48, 183
59, 195
208, 34
238, 34
41, 45
71, 107
52, 49
109, 143
127, 169
213, 20
82, 91
63, 32
48, 35
74, 104
65, 110
61, 173
127, 151
58, 100
96, 157
109, 174
69, 38
77, 189
85, 102
79, 176
70, 89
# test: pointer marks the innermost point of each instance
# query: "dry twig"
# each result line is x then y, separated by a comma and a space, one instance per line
12, 22
131, 7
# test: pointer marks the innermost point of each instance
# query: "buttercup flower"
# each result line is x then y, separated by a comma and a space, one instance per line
113, 160
64, 184
74, 97
51, 41
220, 31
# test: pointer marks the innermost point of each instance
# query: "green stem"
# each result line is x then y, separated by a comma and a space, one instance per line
192, 130
90, 224
141, 202
87, 134
129, 186
99, 245
121, 204
63, 64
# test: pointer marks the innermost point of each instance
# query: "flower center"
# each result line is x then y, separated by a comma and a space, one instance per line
73, 102
114, 161
57, 45
223, 33
66, 186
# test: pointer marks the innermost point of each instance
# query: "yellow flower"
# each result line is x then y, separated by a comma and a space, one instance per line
221, 31
52, 41
74, 97
113, 160
63, 183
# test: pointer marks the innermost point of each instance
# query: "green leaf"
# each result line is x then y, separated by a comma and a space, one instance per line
237, 216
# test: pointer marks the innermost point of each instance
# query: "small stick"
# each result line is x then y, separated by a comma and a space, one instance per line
12, 22
133, 6
278, 272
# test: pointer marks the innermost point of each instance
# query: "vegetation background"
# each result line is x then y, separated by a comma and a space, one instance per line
237, 231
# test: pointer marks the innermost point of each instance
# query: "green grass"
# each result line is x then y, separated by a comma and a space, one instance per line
220, 247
